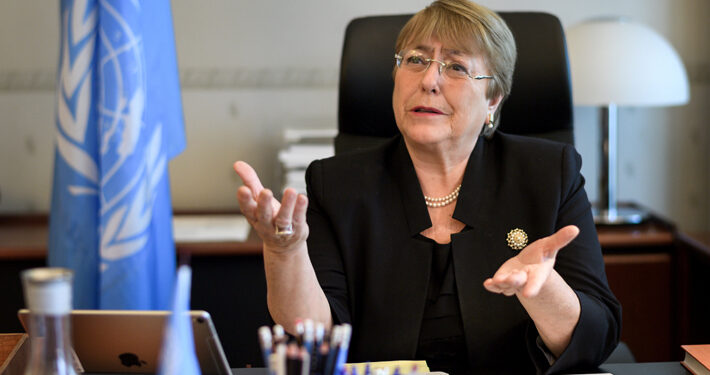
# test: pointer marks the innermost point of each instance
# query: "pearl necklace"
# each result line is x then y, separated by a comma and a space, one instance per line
443, 201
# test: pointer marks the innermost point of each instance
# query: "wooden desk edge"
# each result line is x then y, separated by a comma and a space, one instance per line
648, 235
699, 242
181, 248
27, 238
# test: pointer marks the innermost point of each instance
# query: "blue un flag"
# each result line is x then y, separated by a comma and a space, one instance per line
119, 122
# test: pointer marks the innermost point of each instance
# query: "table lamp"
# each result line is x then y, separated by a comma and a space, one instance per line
616, 62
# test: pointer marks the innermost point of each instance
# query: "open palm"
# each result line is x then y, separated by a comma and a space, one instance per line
527, 272
265, 213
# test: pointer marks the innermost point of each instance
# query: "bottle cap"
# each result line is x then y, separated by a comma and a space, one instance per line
48, 290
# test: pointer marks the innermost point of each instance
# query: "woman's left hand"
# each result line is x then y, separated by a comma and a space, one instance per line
527, 272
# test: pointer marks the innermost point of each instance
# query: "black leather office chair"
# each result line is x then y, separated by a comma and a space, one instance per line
540, 103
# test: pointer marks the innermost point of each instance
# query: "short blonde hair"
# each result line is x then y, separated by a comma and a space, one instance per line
470, 28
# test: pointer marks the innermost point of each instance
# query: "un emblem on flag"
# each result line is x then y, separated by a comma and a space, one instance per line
103, 136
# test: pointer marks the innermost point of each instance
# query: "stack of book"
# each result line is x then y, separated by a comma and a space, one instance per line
697, 359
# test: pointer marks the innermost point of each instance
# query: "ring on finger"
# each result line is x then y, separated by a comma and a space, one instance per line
283, 231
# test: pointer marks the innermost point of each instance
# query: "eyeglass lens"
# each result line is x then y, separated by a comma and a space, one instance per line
417, 61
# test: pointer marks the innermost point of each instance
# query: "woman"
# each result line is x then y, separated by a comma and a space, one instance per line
422, 244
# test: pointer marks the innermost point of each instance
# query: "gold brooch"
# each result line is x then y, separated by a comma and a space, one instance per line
517, 239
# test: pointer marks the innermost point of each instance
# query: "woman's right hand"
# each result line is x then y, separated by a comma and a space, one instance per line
266, 215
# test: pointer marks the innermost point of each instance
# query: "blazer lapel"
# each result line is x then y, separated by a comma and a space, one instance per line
407, 185
409, 271
473, 262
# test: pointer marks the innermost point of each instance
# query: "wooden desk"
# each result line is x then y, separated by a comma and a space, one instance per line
23, 237
698, 241
640, 265
26, 236
228, 281
694, 287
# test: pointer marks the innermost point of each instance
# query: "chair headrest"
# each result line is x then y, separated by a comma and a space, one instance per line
541, 96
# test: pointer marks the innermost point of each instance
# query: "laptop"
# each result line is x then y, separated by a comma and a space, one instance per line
129, 341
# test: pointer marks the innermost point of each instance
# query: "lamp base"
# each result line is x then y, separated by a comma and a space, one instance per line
619, 215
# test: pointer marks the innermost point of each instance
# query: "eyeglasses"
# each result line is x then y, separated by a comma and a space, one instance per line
417, 62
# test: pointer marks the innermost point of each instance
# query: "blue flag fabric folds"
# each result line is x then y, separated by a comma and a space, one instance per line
177, 356
119, 122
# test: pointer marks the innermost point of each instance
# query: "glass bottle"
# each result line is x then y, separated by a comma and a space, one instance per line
48, 297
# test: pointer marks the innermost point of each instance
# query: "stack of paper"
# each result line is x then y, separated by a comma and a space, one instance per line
210, 228
302, 147
388, 367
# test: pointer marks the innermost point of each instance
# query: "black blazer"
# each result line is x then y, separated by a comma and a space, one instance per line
365, 210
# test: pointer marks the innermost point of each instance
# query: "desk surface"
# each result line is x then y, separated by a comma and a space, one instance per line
649, 368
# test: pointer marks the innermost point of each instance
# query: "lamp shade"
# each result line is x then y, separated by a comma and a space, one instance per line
616, 61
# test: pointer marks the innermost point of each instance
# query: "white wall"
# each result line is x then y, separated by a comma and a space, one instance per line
253, 68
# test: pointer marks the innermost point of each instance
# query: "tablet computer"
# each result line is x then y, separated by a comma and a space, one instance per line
129, 341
